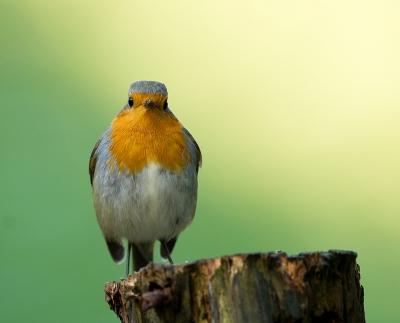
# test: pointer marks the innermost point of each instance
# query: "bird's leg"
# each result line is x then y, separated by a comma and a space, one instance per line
164, 245
128, 258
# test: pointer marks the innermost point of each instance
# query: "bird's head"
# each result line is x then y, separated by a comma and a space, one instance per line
148, 94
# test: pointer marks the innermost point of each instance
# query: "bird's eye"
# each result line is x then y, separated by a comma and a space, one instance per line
165, 104
130, 102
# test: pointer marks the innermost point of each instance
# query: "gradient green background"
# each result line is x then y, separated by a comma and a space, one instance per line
295, 105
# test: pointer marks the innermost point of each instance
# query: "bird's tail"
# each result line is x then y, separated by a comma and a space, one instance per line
142, 254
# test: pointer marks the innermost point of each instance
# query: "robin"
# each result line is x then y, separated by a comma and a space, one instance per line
143, 172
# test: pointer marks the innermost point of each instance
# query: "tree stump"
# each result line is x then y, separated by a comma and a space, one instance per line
251, 288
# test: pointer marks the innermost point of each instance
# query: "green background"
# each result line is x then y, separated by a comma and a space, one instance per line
295, 105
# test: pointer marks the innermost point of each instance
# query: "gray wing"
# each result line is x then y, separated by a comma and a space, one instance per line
194, 151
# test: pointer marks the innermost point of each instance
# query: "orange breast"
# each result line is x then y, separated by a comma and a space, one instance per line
144, 135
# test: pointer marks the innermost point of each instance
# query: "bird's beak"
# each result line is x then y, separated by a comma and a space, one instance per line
149, 103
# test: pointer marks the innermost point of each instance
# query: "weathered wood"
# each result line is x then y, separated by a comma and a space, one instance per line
251, 288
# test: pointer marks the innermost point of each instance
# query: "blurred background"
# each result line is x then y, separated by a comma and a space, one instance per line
294, 104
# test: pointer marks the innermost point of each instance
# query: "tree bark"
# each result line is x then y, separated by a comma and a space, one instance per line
250, 288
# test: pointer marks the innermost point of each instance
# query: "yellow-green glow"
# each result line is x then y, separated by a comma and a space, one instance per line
295, 106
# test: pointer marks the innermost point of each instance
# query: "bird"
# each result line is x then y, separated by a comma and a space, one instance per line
144, 176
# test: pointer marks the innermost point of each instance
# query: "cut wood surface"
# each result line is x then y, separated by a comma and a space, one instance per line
263, 287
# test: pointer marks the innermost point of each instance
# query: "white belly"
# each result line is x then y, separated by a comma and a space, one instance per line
154, 204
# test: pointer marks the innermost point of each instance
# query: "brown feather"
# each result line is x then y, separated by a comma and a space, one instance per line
93, 161
170, 245
198, 152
